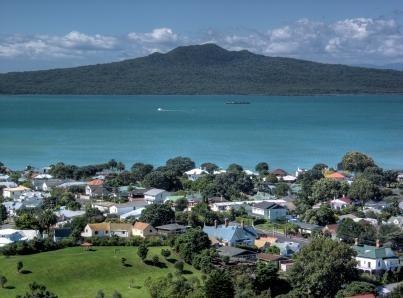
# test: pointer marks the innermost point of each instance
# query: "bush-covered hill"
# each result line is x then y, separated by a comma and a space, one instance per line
205, 69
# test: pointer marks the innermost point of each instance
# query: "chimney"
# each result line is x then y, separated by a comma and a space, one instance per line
226, 222
221, 198
355, 241
242, 224
215, 223
378, 243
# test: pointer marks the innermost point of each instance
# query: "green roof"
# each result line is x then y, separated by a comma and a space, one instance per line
373, 252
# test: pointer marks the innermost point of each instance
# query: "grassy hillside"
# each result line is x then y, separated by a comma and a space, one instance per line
205, 69
75, 273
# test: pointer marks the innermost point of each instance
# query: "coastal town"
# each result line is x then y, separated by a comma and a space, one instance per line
320, 232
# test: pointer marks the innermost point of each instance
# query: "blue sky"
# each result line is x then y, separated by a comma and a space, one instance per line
48, 34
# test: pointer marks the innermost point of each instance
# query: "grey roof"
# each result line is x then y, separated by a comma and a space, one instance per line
232, 251
62, 232
306, 226
268, 205
171, 227
154, 192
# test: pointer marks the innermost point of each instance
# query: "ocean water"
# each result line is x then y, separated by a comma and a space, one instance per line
287, 132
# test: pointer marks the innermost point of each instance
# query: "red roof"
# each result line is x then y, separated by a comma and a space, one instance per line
336, 176
345, 200
369, 295
96, 182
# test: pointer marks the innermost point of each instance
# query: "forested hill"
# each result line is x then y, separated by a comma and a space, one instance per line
205, 69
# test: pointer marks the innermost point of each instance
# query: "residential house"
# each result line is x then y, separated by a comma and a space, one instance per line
306, 228
143, 229
155, 196
289, 178
103, 206
279, 173
8, 236
107, 229
288, 248
330, 230
376, 258
49, 184
120, 209
14, 192
231, 235
97, 191
65, 216
335, 176
195, 174
236, 254
137, 193
341, 203
269, 211
171, 229
396, 220
272, 258
12, 207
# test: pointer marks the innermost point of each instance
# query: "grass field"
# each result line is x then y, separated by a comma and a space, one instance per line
73, 272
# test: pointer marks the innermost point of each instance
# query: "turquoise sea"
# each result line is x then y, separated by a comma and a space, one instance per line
287, 132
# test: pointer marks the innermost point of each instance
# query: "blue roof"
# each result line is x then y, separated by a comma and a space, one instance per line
230, 233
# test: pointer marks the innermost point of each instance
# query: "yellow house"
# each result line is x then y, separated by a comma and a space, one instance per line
143, 229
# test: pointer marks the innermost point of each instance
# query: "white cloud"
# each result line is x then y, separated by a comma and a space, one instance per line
356, 40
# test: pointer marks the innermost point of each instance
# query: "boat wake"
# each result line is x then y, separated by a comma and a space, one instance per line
167, 110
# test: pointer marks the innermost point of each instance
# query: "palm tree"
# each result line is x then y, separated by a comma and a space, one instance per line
47, 219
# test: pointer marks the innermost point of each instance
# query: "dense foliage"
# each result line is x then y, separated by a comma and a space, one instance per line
204, 69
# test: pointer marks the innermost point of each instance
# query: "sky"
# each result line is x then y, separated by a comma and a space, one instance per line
51, 34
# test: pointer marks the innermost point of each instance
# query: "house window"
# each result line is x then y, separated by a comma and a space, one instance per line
379, 263
150, 231
369, 264
96, 233
106, 232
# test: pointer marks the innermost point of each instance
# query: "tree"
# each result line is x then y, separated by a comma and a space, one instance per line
156, 260
38, 291
356, 162
158, 179
362, 189
219, 284
179, 265
142, 251
165, 253
397, 292
27, 221
374, 174
190, 243
281, 189
181, 204
234, 168
140, 170
272, 249
390, 177
322, 216
356, 288
116, 294
3, 213
262, 168
348, 230
180, 165
47, 219
271, 178
20, 265
322, 267
157, 215
209, 167
100, 294
325, 189
265, 276
3, 281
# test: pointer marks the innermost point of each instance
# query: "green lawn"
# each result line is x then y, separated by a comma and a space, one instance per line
73, 272
269, 227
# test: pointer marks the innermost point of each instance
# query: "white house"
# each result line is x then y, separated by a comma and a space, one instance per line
375, 258
120, 209
107, 229
155, 196
195, 174
341, 203
14, 192
8, 236
269, 211
132, 214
